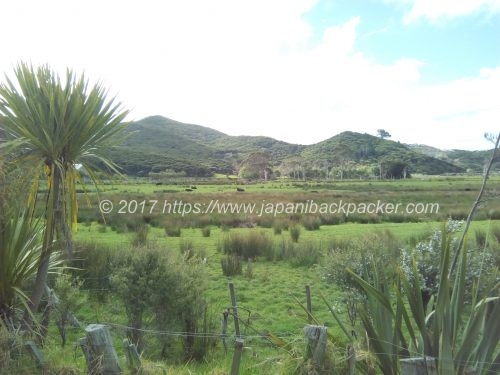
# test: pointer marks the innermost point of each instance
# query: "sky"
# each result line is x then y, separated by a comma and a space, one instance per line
301, 71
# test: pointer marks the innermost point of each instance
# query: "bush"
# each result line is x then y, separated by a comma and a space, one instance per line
306, 254
265, 221
277, 228
295, 233
187, 248
71, 299
480, 238
249, 269
188, 251
14, 358
480, 261
496, 233
141, 235
231, 265
93, 264
311, 223
150, 284
205, 232
173, 231
249, 245
380, 249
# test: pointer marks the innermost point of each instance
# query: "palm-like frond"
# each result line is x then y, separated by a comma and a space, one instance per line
20, 248
61, 123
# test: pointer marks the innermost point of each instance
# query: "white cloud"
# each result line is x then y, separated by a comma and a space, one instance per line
248, 68
435, 10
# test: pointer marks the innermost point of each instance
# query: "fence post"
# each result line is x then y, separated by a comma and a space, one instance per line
351, 360
225, 315
35, 353
317, 338
99, 351
418, 366
238, 346
133, 358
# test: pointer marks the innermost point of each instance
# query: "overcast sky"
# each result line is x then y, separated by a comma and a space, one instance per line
427, 71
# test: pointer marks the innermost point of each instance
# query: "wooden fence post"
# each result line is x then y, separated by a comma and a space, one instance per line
351, 360
316, 347
36, 354
225, 315
418, 366
238, 346
99, 351
133, 358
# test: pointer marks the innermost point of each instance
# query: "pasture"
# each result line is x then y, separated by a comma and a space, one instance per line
270, 282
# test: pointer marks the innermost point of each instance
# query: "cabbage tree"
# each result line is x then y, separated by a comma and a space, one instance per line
58, 123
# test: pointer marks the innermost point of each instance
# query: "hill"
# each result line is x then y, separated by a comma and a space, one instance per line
367, 149
160, 145
156, 144
471, 161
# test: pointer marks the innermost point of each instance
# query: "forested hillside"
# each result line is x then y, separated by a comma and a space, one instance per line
158, 145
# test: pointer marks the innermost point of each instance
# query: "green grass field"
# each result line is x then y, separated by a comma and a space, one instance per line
267, 291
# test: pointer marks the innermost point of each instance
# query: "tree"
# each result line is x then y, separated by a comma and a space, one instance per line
256, 165
59, 124
342, 157
383, 133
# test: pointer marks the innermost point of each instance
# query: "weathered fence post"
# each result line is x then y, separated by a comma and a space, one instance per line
316, 347
238, 346
133, 358
35, 353
418, 366
351, 360
99, 351
225, 315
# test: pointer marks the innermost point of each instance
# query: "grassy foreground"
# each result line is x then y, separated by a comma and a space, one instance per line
267, 289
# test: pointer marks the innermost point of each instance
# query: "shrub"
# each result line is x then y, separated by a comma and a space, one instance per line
380, 248
205, 232
231, 265
173, 231
265, 221
311, 223
141, 235
306, 254
427, 253
277, 228
14, 358
249, 269
71, 299
186, 247
332, 219
480, 238
295, 233
93, 264
248, 245
188, 251
496, 233
148, 283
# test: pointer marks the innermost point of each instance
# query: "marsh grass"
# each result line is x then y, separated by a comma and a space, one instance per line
280, 272
453, 194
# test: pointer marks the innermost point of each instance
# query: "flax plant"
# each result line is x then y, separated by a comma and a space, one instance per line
461, 335
20, 248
